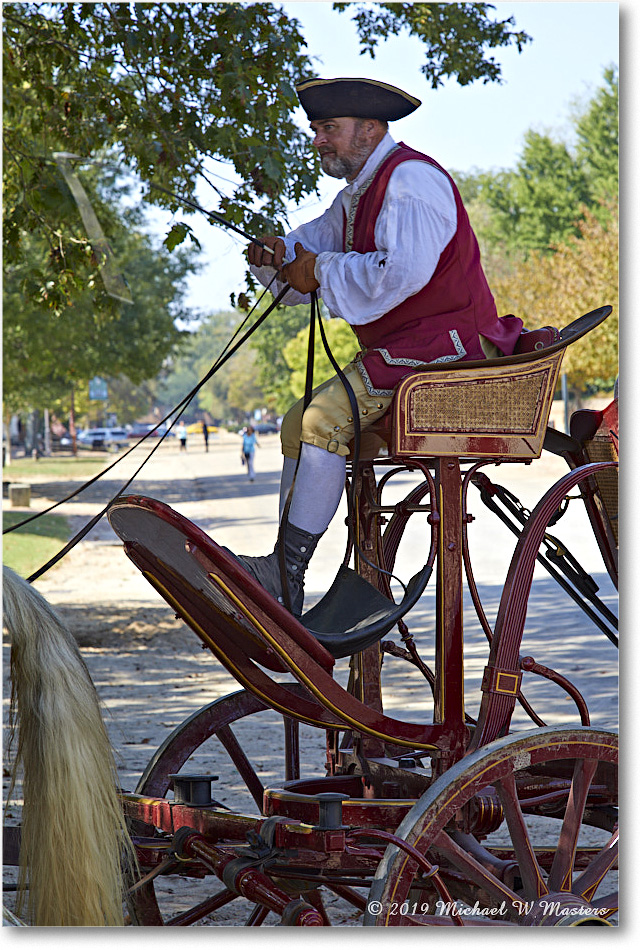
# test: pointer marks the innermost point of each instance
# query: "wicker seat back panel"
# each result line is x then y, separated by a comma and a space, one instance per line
480, 412
602, 449
484, 405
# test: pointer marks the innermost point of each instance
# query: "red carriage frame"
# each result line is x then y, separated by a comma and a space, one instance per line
407, 810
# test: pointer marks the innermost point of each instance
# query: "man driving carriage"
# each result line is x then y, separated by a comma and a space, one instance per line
396, 257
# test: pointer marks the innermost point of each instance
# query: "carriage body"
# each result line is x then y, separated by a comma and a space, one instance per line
455, 820
407, 810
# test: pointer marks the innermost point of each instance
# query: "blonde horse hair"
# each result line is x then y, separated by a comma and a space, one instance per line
75, 852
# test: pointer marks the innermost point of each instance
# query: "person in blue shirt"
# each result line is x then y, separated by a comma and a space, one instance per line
250, 442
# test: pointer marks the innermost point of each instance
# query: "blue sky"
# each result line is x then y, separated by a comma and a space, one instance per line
464, 128
480, 125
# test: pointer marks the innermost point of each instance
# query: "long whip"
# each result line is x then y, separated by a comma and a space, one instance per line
212, 216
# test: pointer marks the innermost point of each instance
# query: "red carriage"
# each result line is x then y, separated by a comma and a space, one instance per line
456, 821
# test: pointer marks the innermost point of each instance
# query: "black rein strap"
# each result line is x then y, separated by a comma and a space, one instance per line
177, 409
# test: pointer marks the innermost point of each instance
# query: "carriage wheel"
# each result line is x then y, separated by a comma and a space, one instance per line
199, 735
522, 832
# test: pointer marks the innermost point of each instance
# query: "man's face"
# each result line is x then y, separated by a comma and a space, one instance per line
343, 145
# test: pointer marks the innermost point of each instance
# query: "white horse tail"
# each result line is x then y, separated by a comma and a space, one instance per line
75, 851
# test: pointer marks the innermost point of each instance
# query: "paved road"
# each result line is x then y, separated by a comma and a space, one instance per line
212, 489
151, 672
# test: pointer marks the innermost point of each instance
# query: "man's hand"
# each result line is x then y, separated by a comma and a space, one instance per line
299, 274
258, 256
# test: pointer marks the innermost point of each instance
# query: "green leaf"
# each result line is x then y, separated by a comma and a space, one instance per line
176, 236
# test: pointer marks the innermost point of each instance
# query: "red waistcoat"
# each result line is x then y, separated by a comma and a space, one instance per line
442, 321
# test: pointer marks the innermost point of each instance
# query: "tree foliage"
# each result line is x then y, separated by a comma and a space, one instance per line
145, 93
162, 94
555, 289
269, 344
233, 390
456, 36
170, 88
548, 232
538, 204
50, 347
597, 129
342, 343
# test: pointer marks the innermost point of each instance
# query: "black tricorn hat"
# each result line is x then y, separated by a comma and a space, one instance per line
361, 98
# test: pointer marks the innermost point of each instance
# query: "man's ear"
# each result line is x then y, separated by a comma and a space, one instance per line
375, 129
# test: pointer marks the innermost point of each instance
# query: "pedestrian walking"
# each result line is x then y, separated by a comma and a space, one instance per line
182, 435
250, 443
206, 436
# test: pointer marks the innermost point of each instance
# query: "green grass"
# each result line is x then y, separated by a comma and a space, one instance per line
28, 548
21, 469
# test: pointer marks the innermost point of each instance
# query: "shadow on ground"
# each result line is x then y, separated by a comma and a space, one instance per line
215, 487
558, 635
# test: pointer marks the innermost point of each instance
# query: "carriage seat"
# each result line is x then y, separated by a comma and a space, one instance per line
251, 634
481, 408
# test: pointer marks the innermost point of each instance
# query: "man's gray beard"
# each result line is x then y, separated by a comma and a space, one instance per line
348, 165
339, 167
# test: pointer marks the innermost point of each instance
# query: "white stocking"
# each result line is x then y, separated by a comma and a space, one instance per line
287, 477
320, 482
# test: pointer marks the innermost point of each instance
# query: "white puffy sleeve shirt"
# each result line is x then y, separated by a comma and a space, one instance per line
418, 219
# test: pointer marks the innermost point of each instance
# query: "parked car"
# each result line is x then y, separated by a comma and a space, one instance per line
110, 439
196, 428
139, 430
265, 428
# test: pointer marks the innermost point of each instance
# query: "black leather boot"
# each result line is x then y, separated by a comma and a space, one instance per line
299, 548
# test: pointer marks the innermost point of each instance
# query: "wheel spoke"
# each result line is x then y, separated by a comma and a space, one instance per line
610, 902
257, 916
586, 884
144, 908
203, 909
231, 745
291, 727
499, 869
190, 735
474, 870
561, 874
532, 879
211, 724
349, 894
314, 898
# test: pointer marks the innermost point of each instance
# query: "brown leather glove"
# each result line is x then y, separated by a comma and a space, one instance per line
258, 256
300, 272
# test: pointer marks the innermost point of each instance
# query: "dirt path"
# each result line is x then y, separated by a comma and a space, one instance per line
151, 671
